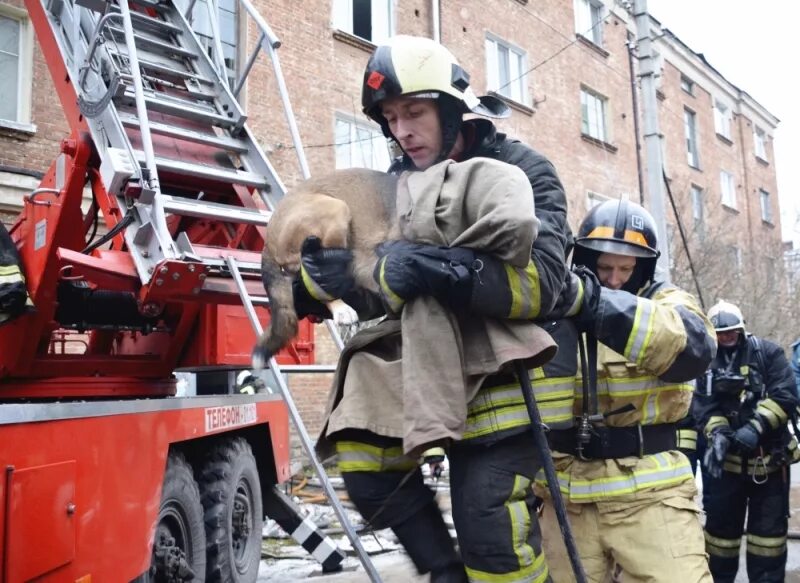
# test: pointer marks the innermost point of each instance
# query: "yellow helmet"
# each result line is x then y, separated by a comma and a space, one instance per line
408, 65
421, 67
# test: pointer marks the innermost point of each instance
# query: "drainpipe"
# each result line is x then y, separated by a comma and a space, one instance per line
436, 21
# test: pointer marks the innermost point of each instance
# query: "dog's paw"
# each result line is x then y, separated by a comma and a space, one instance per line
344, 315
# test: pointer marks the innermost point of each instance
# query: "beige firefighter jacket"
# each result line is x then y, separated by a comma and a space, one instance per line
416, 385
658, 331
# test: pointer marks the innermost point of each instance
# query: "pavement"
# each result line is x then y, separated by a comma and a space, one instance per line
285, 562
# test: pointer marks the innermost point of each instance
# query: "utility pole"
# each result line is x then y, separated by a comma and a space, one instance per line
652, 135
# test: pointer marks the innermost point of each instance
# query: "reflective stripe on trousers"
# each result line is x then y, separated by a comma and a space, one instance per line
659, 470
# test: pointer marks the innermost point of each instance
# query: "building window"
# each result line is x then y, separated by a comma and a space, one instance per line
589, 17
687, 85
593, 115
360, 146
367, 19
766, 209
722, 119
697, 204
760, 139
690, 127
16, 69
227, 21
727, 188
506, 70
736, 258
698, 211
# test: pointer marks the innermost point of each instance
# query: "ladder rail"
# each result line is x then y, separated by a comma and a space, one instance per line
150, 179
269, 42
301, 429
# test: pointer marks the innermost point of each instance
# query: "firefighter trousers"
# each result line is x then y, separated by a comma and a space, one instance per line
492, 499
660, 540
732, 497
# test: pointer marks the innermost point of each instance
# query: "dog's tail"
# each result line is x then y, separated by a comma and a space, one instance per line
282, 326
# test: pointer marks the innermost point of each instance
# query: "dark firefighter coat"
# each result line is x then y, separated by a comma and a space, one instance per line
756, 380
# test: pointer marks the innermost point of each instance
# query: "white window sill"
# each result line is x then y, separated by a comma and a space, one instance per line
25, 128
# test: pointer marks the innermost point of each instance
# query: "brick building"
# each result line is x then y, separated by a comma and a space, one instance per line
565, 68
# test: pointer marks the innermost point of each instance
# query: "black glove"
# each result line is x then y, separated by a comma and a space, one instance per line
327, 273
718, 443
407, 270
589, 301
746, 438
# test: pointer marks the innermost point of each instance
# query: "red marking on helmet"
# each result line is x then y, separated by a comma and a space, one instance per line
375, 80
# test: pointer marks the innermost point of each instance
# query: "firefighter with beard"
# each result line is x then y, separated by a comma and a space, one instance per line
629, 490
743, 405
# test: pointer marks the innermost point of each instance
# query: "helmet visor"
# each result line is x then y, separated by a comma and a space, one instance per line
616, 247
725, 321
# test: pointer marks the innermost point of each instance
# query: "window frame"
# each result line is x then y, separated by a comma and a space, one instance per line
728, 178
206, 38
760, 143
697, 198
586, 125
517, 81
377, 163
698, 203
723, 119
687, 85
691, 141
589, 16
24, 113
764, 199
343, 19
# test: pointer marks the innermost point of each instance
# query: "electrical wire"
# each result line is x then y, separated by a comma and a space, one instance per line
683, 240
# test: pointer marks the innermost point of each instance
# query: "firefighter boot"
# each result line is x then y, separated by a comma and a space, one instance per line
428, 544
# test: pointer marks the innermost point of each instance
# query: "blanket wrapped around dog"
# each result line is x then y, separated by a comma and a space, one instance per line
414, 378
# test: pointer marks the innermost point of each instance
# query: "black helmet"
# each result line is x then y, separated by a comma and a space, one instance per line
623, 228
418, 66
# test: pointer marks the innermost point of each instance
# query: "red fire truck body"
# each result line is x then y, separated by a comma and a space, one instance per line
108, 475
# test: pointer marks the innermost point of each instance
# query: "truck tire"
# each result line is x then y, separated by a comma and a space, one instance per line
231, 495
180, 538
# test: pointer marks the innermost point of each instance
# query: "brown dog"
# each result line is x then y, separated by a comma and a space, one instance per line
348, 209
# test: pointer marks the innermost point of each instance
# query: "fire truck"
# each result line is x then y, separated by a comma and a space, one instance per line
109, 476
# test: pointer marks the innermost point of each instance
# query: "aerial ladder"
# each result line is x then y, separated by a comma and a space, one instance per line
108, 475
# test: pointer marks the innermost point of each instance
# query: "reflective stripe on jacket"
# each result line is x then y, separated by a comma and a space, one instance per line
499, 407
650, 349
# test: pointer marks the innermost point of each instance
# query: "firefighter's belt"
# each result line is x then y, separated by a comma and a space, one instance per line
618, 442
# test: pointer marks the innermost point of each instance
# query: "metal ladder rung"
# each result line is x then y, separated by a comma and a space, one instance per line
154, 4
162, 68
155, 23
146, 43
181, 108
213, 210
212, 173
221, 142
